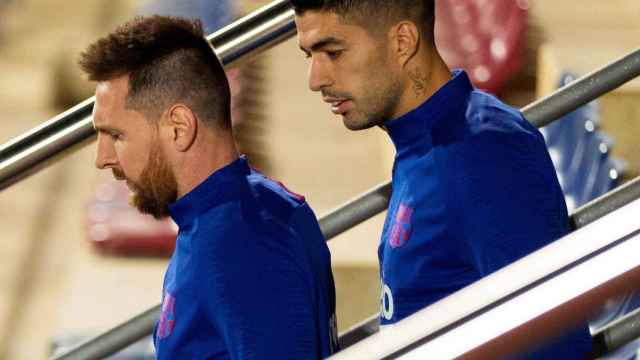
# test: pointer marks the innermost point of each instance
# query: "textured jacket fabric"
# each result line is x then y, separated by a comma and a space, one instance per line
250, 277
474, 189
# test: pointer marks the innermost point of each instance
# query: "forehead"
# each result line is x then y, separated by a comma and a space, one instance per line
110, 97
318, 26
109, 110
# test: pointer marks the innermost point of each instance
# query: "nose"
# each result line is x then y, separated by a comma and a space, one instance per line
105, 155
319, 75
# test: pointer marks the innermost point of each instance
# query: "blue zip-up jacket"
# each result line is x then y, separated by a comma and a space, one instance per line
250, 277
474, 190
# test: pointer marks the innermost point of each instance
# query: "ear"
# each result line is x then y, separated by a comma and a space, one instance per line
405, 39
183, 124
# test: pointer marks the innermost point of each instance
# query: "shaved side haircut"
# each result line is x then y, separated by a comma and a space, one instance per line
168, 61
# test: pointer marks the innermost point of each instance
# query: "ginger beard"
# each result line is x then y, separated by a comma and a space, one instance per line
155, 189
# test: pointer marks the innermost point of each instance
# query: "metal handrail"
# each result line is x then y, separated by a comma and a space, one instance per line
617, 333
584, 90
115, 339
503, 313
247, 37
582, 217
332, 224
234, 44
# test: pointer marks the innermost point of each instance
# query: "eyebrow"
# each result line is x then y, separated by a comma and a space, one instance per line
105, 129
319, 45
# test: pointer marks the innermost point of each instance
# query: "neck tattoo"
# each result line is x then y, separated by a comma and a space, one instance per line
419, 82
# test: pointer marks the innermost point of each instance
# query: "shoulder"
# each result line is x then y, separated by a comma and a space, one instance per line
244, 228
222, 230
487, 114
497, 144
274, 196
237, 242
286, 213
489, 129
486, 122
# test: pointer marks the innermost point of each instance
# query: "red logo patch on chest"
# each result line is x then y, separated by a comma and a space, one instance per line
401, 228
168, 317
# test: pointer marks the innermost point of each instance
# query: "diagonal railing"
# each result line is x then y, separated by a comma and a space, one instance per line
238, 42
617, 334
376, 201
582, 217
527, 303
333, 224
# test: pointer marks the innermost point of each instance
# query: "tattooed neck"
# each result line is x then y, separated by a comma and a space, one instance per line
419, 82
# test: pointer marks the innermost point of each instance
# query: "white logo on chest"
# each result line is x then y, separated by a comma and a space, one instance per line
386, 302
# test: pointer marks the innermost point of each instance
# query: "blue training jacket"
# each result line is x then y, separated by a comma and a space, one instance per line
250, 277
474, 189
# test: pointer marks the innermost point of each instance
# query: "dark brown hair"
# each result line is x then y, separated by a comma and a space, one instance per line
369, 13
168, 61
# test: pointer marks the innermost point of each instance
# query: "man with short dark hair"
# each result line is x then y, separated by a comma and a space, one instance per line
251, 274
474, 188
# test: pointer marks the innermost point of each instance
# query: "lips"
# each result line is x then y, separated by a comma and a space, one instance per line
339, 106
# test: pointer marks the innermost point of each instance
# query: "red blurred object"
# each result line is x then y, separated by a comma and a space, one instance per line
115, 227
485, 37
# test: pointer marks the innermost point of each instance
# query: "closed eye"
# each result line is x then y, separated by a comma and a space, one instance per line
334, 54
113, 135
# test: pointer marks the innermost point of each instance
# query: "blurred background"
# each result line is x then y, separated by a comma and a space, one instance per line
73, 259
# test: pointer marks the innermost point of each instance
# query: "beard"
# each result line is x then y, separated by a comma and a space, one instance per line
376, 108
156, 188
376, 100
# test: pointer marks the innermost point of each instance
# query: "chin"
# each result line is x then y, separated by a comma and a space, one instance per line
358, 124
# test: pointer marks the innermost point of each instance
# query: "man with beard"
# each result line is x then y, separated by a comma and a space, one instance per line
251, 274
474, 188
